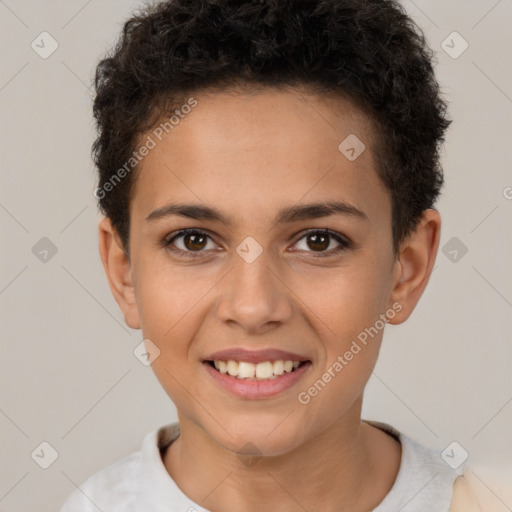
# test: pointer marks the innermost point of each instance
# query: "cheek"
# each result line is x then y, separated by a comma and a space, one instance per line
170, 313
173, 302
167, 294
345, 301
348, 312
169, 306
345, 306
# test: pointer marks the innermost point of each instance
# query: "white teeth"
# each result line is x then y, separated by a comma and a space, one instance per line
245, 370
278, 367
223, 366
264, 370
232, 368
260, 371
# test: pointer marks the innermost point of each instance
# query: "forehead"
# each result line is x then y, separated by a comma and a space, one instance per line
244, 152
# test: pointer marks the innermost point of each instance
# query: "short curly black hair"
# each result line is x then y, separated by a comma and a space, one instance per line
367, 50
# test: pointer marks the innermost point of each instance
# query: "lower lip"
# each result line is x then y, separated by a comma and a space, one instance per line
256, 389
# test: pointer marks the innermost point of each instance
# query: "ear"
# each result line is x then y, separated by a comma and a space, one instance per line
412, 269
118, 270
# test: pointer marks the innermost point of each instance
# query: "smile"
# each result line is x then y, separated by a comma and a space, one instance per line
265, 370
256, 380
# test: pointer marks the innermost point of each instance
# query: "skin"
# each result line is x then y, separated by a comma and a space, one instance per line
249, 155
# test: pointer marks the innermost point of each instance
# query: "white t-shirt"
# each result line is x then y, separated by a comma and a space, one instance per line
141, 483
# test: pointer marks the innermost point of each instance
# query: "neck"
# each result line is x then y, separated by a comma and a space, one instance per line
349, 466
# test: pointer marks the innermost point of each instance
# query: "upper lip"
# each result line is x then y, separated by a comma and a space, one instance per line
254, 356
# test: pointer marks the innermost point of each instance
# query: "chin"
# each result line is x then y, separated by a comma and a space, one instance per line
260, 436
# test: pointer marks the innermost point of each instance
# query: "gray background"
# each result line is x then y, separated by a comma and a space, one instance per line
67, 370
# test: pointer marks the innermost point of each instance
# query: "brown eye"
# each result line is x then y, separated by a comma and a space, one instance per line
319, 241
189, 242
194, 242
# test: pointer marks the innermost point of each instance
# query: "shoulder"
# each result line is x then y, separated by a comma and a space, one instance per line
425, 481
419, 460
112, 486
130, 483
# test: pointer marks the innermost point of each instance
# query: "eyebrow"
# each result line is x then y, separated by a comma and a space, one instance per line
286, 215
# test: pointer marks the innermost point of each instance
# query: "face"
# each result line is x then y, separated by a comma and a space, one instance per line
263, 276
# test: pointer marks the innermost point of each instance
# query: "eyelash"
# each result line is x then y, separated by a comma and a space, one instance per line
344, 242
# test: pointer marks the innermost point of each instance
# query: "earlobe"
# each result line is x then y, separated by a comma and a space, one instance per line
414, 264
118, 270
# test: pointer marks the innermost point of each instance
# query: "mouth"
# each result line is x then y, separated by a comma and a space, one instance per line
256, 374
264, 370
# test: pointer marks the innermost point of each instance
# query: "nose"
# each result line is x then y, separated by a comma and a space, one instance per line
254, 297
